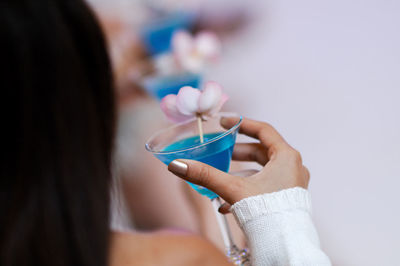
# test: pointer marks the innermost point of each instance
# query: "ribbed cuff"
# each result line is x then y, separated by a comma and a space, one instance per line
284, 200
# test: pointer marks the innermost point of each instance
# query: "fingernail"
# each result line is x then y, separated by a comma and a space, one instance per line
178, 167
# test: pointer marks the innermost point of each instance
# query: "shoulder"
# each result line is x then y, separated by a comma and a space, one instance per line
163, 248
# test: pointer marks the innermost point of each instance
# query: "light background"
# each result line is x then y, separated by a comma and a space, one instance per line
326, 74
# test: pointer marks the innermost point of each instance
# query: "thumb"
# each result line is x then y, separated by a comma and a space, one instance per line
225, 185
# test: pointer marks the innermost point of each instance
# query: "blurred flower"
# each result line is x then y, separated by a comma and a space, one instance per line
165, 64
194, 53
191, 102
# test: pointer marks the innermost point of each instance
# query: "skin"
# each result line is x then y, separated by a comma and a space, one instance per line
282, 169
163, 248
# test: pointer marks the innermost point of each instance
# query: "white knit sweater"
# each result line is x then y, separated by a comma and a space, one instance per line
279, 229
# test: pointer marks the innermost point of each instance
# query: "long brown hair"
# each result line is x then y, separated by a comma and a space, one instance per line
57, 109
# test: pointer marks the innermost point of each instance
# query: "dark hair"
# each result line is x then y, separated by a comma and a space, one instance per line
57, 109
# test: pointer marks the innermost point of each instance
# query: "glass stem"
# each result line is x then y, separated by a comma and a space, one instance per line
223, 226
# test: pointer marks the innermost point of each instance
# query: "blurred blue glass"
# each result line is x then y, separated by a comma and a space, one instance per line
160, 86
157, 33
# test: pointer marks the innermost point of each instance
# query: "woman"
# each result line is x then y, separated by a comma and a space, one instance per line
56, 159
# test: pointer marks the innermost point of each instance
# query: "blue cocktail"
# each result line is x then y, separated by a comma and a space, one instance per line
157, 33
161, 86
215, 153
183, 142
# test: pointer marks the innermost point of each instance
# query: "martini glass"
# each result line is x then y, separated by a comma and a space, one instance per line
160, 86
182, 141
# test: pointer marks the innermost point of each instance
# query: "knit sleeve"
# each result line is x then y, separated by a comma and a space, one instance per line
279, 229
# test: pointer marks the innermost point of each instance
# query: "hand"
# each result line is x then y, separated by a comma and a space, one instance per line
283, 167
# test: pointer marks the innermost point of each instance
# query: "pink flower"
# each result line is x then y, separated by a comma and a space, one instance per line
193, 53
191, 102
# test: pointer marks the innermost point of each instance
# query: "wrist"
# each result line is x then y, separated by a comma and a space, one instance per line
250, 208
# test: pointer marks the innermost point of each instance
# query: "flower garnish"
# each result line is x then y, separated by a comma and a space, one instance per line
191, 102
194, 53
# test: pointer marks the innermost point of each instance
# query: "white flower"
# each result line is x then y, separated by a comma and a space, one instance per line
191, 102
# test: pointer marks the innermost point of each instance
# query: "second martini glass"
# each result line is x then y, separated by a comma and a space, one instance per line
182, 141
160, 86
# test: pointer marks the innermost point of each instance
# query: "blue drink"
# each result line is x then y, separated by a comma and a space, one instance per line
161, 86
217, 154
182, 141
157, 34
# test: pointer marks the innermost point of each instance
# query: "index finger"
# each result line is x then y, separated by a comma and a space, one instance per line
262, 131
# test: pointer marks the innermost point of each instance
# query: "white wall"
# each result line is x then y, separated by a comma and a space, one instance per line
326, 74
